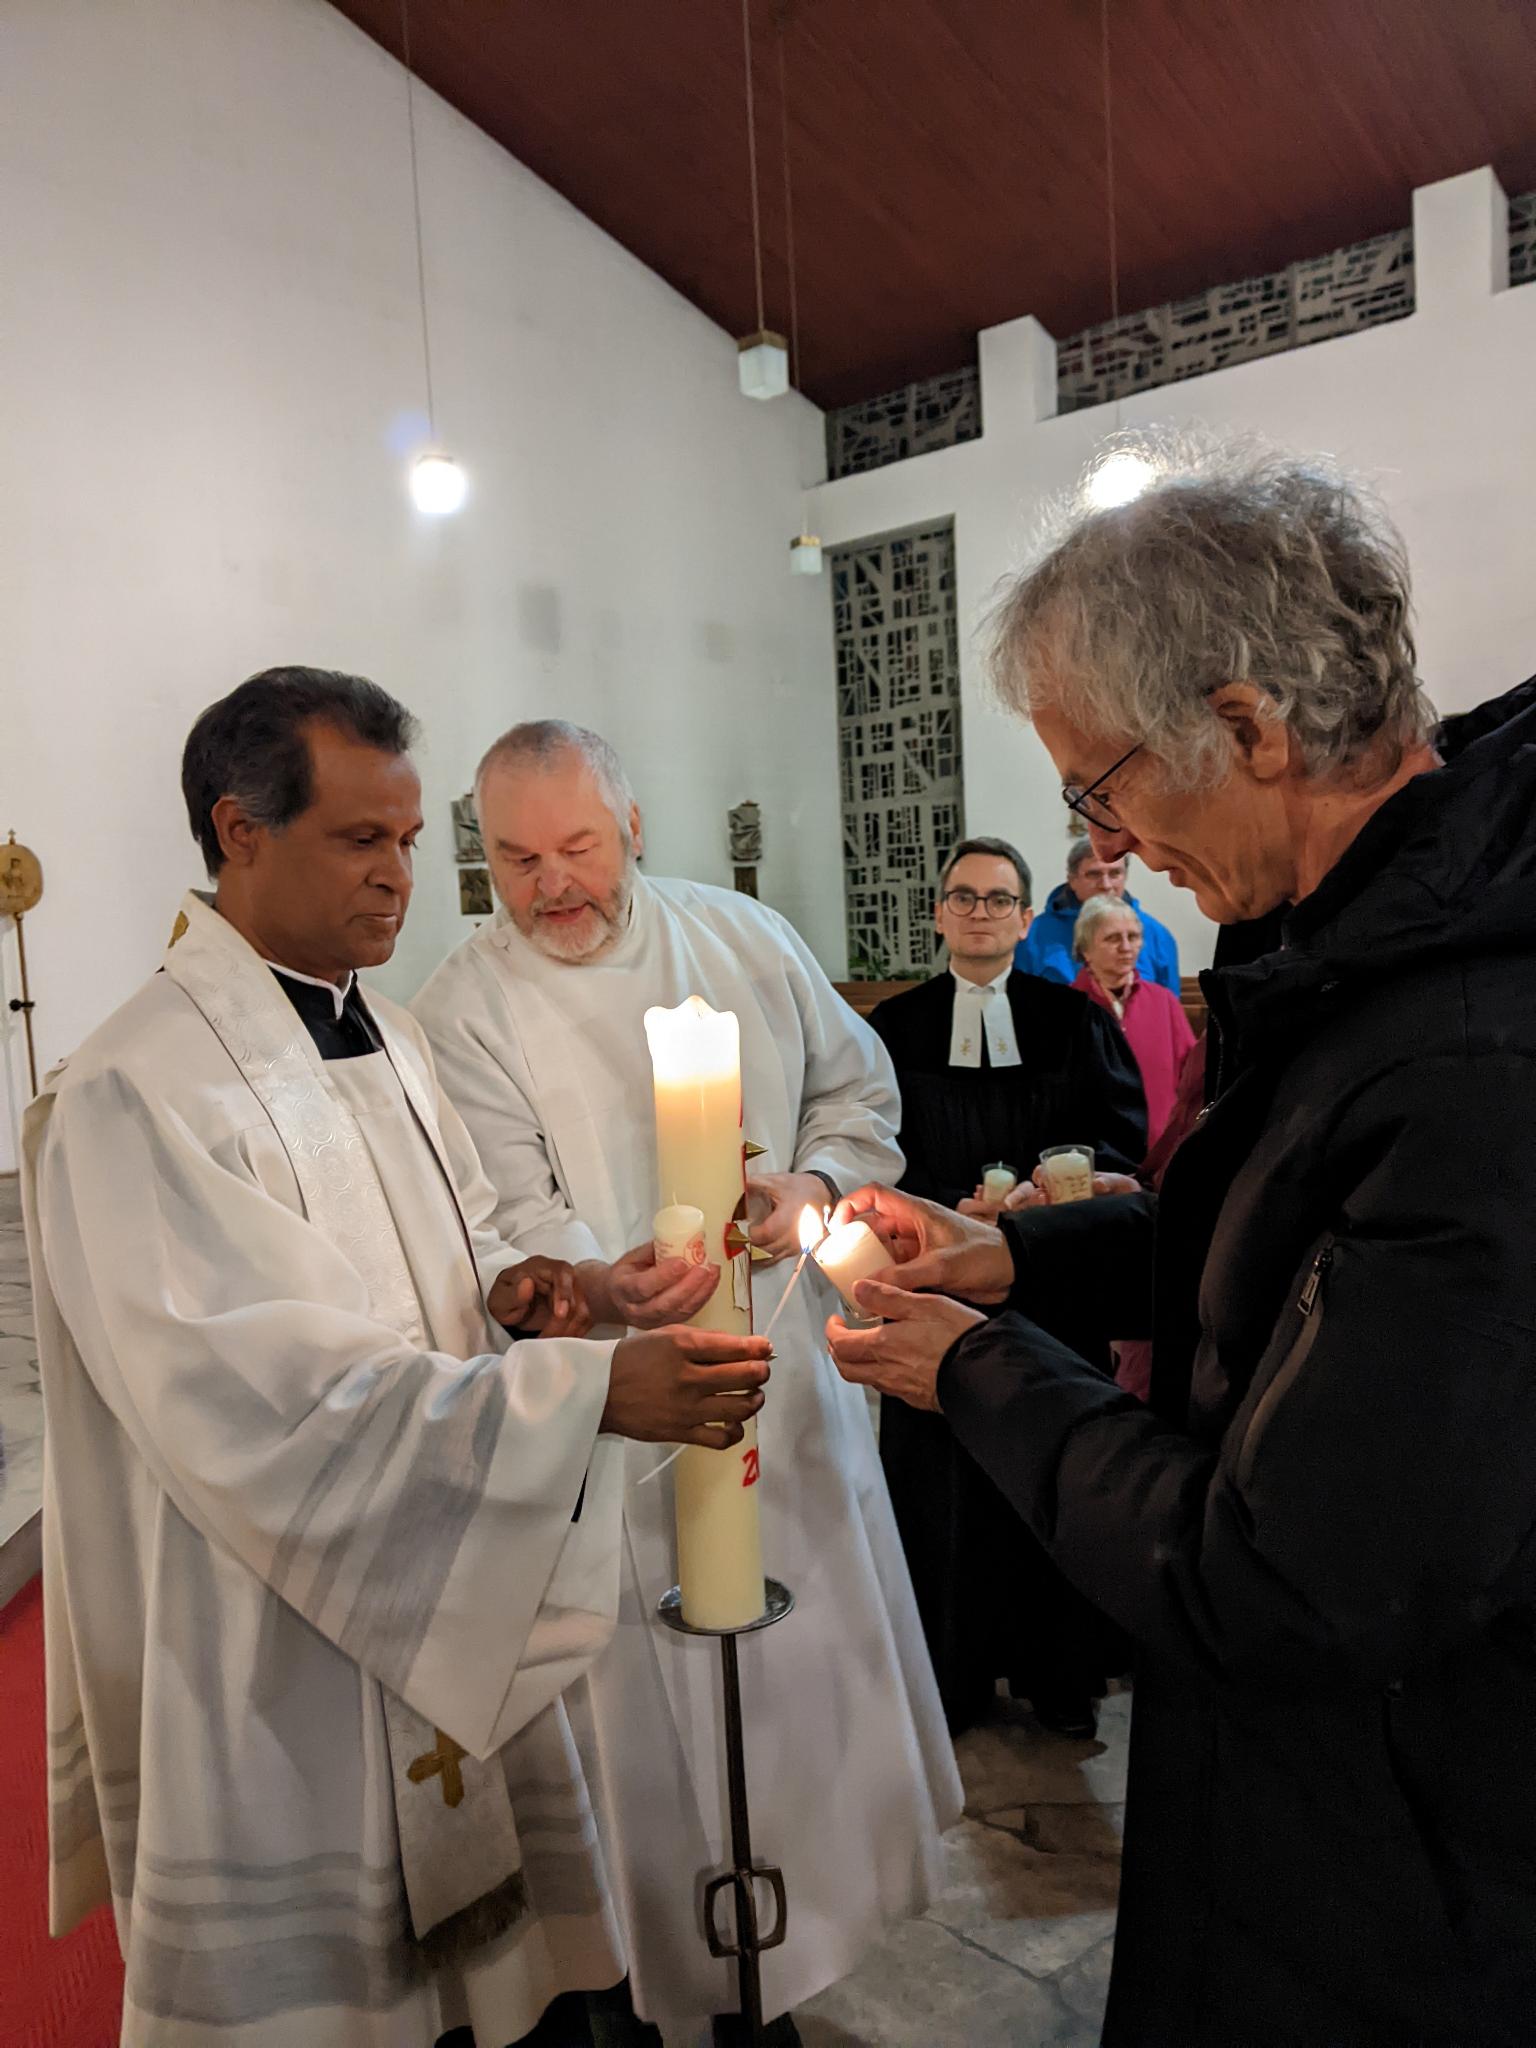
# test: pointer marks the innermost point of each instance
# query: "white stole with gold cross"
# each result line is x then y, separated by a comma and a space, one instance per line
458, 1840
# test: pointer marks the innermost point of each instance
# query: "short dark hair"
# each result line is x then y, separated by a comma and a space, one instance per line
252, 745
994, 849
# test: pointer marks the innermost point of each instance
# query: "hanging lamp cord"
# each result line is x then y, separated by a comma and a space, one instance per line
421, 260
789, 211
1110, 212
757, 225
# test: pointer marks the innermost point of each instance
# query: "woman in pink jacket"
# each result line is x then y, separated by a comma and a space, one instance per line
1107, 940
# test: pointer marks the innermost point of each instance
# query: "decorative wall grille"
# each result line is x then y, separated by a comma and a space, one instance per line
898, 727
937, 413
1522, 239
1362, 286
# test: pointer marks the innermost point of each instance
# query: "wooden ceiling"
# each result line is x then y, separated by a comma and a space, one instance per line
947, 156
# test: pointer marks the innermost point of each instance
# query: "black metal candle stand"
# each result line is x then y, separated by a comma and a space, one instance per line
749, 1942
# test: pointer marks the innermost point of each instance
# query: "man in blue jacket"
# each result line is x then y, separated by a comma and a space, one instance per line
1047, 949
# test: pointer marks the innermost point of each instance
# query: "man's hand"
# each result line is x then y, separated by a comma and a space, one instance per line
902, 1355
685, 1386
774, 1204
933, 1248
541, 1296
638, 1292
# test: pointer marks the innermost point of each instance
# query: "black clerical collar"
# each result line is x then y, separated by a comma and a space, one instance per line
336, 1018
337, 991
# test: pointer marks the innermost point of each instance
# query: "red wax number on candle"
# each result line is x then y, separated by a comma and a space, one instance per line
750, 1467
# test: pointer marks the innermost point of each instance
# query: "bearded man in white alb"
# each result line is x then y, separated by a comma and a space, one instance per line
320, 1551
536, 1026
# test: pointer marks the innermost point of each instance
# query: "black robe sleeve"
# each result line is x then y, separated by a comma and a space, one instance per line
1085, 1266
907, 1032
1114, 1104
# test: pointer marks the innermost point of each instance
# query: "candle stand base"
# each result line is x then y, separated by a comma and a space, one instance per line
749, 1940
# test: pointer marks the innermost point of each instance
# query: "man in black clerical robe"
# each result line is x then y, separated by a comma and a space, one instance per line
995, 1065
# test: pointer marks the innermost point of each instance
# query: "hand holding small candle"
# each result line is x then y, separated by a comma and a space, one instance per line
677, 1232
1067, 1171
849, 1253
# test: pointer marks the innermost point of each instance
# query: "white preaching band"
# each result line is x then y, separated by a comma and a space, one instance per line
983, 1015
536, 1027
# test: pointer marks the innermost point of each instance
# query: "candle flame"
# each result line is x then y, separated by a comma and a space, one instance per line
693, 1044
813, 1228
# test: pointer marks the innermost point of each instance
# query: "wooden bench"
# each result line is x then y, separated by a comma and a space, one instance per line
863, 996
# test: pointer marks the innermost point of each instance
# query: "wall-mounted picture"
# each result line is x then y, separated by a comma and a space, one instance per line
475, 892
468, 846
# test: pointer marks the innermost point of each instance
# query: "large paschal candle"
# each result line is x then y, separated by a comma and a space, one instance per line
696, 1069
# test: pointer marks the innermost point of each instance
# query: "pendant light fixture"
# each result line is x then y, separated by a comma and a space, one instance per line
1120, 474
762, 357
438, 484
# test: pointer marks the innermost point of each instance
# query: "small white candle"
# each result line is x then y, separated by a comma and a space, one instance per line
1068, 1172
998, 1182
677, 1232
849, 1254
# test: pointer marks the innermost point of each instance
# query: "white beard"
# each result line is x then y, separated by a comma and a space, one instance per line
577, 944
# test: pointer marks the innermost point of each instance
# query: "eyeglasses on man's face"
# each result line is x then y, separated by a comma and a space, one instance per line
1089, 805
996, 902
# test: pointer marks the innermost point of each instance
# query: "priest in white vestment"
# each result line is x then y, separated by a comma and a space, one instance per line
321, 1553
535, 1024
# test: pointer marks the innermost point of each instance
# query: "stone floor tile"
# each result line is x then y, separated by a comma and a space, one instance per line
926, 1989
1084, 1987
1075, 1830
1011, 1761
1034, 1909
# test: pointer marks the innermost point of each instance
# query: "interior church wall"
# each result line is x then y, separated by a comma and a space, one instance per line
1438, 410
212, 365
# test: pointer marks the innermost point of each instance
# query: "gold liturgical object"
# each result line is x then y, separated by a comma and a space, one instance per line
21, 889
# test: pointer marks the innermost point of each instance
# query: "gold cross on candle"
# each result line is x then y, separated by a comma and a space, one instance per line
444, 1758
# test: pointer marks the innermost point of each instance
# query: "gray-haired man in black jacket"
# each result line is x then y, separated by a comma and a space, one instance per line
1322, 1534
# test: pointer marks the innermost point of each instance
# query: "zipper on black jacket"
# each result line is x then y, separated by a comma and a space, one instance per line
1307, 1300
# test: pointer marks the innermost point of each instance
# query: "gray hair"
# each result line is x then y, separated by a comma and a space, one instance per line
1236, 564
1093, 914
1080, 848
543, 741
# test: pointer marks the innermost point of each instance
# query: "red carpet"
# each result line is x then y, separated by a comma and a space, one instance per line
53, 1994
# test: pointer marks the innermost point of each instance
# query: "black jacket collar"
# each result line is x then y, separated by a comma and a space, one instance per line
1446, 868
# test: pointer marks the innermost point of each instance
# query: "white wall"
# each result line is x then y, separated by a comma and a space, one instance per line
211, 367
1439, 410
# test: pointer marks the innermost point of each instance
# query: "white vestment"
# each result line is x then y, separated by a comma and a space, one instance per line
300, 1503
849, 1765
